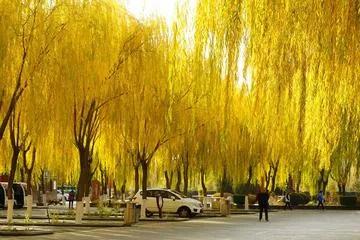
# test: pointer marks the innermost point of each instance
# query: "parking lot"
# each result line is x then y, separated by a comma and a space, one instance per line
296, 224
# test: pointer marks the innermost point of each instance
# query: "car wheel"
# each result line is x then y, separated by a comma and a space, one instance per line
148, 213
184, 212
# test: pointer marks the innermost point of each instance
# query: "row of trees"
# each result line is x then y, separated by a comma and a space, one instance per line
240, 91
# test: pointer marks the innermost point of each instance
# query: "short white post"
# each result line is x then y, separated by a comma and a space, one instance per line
87, 205
10, 210
246, 202
63, 200
29, 203
143, 208
79, 212
44, 199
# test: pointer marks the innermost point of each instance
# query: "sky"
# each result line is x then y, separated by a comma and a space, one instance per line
143, 9
150, 8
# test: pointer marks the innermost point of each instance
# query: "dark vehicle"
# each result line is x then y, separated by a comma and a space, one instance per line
19, 194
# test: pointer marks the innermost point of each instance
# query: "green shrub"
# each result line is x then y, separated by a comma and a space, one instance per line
244, 188
239, 199
299, 199
279, 191
225, 184
348, 200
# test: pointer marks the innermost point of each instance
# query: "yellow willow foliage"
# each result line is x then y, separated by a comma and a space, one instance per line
184, 84
303, 48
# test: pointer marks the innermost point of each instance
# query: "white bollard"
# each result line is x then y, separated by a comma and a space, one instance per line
63, 200
129, 214
79, 212
246, 202
87, 204
44, 199
29, 203
10, 210
143, 209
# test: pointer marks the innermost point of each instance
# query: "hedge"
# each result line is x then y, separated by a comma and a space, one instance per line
299, 199
348, 200
239, 199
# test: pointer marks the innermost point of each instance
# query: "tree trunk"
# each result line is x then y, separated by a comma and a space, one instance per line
10, 185
323, 180
22, 174
136, 180
144, 167
203, 186
250, 174
178, 182
342, 188
115, 190
223, 181
186, 173
42, 181
298, 183
290, 183
123, 190
273, 178
12, 174
168, 179
267, 178
29, 172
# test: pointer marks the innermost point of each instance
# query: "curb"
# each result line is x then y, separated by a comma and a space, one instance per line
163, 219
25, 232
68, 218
68, 224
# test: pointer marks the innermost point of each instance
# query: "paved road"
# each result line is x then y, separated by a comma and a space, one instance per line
296, 224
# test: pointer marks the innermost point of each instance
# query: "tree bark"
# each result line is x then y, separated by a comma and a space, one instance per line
144, 167
223, 181
186, 172
84, 175
203, 185
178, 180
42, 180
168, 179
115, 190
267, 178
298, 183
29, 170
22, 174
342, 188
137, 179
250, 174
273, 178
14, 159
323, 180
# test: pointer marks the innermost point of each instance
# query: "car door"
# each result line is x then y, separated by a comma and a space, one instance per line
171, 202
151, 201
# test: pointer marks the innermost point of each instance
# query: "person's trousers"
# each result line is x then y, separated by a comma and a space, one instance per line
71, 204
322, 205
287, 204
264, 209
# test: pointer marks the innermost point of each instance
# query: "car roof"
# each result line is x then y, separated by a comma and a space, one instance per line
166, 189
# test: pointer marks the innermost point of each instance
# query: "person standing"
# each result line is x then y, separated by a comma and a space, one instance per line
287, 201
71, 198
320, 198
263, 200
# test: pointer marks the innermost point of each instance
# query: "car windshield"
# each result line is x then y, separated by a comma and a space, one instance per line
179, 193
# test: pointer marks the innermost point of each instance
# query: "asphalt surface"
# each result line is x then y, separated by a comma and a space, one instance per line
295, 224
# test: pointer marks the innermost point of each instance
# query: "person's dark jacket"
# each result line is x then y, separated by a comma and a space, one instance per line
263, 199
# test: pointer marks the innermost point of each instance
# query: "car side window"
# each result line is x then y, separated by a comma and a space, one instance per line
165, 194
170, 195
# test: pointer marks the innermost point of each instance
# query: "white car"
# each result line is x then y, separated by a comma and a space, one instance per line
59, 196
174, 202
